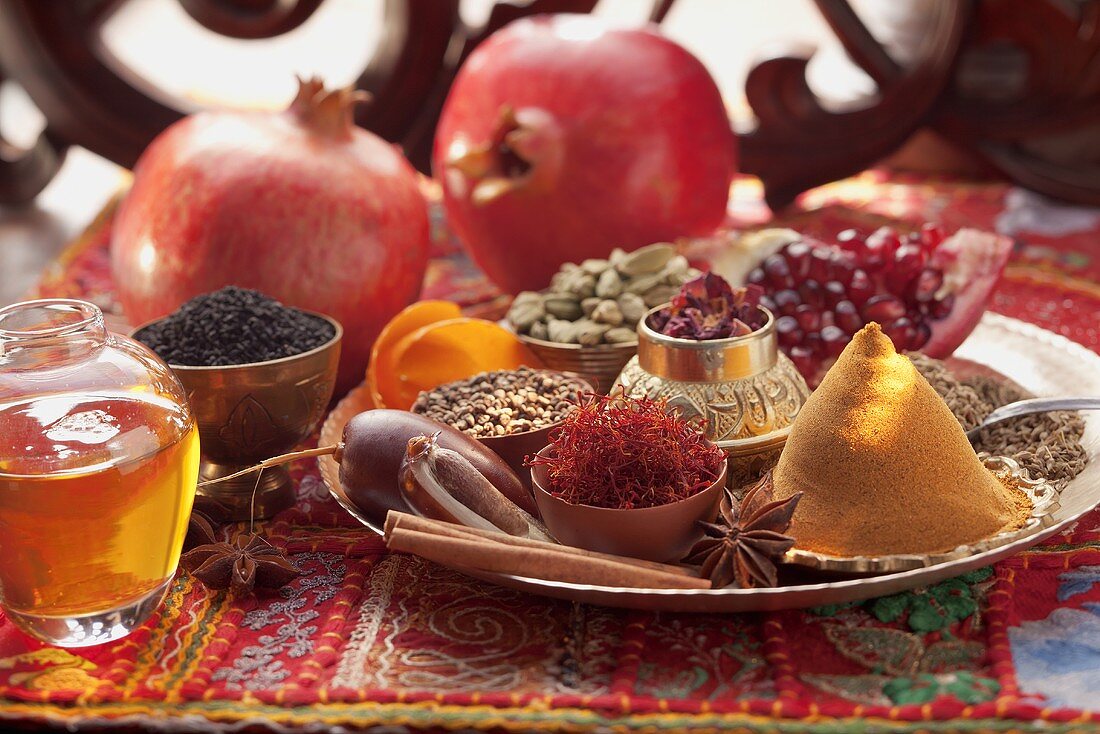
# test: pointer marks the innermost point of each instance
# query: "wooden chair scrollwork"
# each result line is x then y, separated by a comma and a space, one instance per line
52, 50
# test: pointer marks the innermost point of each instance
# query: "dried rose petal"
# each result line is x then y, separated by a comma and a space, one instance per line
708, 308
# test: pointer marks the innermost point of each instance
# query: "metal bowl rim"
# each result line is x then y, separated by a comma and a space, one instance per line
644, 329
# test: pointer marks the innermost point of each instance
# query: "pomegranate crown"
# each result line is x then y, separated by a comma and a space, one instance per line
324, 111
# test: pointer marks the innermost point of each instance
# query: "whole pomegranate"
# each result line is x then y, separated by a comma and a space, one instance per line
563, 138
301, 205
927, 290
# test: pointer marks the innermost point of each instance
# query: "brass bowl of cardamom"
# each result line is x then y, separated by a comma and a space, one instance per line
585, 321
599, 365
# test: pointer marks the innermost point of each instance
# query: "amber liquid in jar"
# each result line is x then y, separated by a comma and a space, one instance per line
101, 521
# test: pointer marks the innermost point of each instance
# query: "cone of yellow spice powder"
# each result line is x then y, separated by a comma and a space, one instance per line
884, 466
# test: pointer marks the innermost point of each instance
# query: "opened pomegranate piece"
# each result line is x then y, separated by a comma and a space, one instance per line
926, 290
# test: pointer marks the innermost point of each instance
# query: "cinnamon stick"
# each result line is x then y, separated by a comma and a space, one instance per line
395, 519
553, 565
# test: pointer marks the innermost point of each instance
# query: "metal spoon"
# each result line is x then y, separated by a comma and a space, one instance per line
1033, 405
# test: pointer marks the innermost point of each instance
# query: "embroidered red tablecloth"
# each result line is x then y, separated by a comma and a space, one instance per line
370, 639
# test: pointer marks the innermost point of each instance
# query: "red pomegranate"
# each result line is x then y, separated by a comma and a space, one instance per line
563, 138
927, 291
301, 205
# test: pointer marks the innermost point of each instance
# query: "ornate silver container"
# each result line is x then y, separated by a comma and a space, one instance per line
744, 388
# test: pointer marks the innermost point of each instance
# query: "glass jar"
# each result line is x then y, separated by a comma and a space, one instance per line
99, 457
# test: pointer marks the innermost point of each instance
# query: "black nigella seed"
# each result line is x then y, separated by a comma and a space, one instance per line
234, 326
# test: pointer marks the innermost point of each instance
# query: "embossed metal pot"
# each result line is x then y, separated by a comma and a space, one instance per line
250, 412
746, 390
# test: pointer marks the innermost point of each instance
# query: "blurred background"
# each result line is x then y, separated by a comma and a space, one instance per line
166, 46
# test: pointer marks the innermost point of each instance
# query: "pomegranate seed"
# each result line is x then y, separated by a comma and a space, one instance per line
883, 308
812, 341
833, 340
851, 241
803, 360
881, 246
786, 328
902, 332
924, 286
931, 235
841, 267
820, 261
756, 275
812, 294
777, 272
908, 259
846, 316
809, 318
834, 293
786, 301
921, 336
943, 307
861, 287
847, 235
767, 302
797, 255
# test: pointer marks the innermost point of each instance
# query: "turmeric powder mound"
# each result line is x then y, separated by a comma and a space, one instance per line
884, 466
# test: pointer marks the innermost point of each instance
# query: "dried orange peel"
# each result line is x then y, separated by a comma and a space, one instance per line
383, 353
442, 352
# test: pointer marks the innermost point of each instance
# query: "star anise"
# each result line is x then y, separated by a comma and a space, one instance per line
207, 515
747, 542
246, 562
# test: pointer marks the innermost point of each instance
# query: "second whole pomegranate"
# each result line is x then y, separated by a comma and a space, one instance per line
563, 138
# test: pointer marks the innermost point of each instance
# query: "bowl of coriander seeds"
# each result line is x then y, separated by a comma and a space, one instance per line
586, 321
510, 411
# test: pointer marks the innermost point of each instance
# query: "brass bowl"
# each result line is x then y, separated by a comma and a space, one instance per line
599, 365
250, 412
744, 388
664, 533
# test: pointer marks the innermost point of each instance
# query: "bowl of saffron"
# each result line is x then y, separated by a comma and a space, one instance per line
629, 477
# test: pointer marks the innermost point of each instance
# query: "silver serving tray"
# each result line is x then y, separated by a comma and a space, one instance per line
1038, 360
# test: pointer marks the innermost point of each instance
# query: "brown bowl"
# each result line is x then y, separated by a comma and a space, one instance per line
516, 447
664, 533
250, 412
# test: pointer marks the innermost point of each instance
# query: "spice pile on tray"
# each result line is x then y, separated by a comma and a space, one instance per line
880, 459
1047, 445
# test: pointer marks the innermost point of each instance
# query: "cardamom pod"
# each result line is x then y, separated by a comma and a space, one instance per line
608, 313
620, 335
579, 283
643, 283
589, 333
649, 259
563, 306
539, 330
595, 266
562, 332
525, 312
609, 284
633, 308
659, 295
